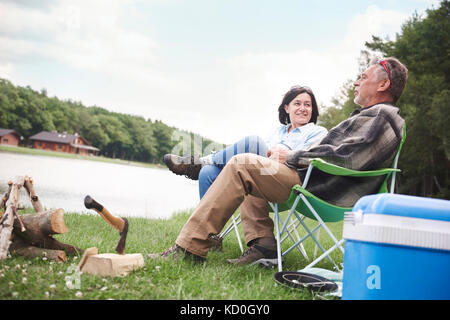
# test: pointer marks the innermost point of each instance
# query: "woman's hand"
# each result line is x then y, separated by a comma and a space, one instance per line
278, 153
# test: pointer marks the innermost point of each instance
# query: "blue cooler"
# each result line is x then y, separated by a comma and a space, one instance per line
397, 247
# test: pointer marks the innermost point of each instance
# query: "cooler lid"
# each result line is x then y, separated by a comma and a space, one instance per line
405, 206
400, 220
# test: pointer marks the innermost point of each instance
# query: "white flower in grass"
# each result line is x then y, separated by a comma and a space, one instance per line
15, 294
24, 280
79, 294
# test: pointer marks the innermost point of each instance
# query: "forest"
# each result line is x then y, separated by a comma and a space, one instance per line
423, 45
117, 135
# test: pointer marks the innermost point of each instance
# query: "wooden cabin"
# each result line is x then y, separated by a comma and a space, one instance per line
9, 137
63, 142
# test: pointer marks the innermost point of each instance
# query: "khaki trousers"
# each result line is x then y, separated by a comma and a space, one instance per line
249, 181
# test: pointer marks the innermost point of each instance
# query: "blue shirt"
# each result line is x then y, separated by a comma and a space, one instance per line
300, 138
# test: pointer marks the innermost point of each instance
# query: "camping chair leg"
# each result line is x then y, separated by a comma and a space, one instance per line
311, 234
290, 214
327, 254
277, 227
293, 230
315, 247
319, 219
230, 227
237, 233
278, 219
300, 247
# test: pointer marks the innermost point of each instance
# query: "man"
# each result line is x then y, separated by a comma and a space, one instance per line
367, 140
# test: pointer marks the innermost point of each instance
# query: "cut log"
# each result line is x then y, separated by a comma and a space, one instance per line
7, 220
40, 227
21, 248
47, 222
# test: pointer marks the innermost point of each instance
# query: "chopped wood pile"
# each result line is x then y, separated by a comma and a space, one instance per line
31, 235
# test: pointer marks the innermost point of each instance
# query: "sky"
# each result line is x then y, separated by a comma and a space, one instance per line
218, 68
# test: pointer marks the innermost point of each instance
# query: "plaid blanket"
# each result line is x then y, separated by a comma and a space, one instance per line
367, 140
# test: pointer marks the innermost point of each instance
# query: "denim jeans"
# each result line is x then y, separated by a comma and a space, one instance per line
209, 173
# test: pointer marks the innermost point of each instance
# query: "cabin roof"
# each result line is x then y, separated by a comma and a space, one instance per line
53, 136
4, 132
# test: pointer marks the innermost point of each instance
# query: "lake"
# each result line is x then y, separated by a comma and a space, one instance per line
125, 190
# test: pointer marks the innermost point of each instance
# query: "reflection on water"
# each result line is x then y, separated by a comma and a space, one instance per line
124, 190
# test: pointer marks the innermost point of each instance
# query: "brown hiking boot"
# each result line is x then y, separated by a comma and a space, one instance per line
176, 252
263, 251
217, 242
188, 166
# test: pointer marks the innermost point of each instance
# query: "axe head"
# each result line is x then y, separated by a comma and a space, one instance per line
120, 247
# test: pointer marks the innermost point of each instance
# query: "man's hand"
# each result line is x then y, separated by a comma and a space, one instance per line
278, 153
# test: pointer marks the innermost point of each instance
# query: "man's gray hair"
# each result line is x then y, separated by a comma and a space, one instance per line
398, 75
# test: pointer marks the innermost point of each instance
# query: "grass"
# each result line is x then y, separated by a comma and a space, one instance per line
40, 279
47, 153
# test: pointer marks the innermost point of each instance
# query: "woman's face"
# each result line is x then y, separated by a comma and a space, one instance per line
299, 110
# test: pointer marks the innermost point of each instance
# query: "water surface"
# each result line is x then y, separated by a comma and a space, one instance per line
123, 189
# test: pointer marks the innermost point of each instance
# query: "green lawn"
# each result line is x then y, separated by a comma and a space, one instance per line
38, 278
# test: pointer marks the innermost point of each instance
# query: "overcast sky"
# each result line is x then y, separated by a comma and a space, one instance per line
215, 67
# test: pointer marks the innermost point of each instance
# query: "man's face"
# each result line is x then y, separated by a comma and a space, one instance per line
366, 87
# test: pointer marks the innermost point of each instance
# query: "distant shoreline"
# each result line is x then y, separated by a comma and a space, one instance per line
30, 151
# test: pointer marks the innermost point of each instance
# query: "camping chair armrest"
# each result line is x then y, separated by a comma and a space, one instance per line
333, 169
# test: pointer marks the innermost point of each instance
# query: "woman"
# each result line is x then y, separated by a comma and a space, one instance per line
298, 113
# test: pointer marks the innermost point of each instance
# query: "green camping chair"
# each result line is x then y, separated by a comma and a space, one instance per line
304, 204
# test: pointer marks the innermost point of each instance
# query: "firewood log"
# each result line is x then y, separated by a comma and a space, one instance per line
40, 227
21, 248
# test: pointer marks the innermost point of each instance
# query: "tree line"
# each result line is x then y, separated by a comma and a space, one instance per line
116, 135
423, 45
